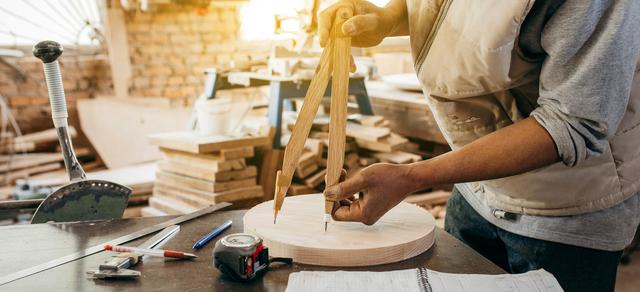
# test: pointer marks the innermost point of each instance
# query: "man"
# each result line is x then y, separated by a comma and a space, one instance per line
540, 103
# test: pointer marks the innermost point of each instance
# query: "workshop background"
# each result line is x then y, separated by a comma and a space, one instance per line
133, 71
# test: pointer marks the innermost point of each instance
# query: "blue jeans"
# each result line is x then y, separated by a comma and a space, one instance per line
576, 268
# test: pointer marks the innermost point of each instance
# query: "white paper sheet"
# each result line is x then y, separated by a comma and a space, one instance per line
410, 280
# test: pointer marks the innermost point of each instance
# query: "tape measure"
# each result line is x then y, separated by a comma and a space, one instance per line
242, 256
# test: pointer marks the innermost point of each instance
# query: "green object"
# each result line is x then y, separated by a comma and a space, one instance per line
84, 200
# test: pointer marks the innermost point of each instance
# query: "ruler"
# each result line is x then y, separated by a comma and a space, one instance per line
100, 247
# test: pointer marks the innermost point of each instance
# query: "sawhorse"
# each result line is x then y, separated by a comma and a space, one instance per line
282, 91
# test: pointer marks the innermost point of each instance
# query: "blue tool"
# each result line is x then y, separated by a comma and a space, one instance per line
211, 235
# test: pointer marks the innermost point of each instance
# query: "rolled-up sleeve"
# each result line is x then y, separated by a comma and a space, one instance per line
592, 50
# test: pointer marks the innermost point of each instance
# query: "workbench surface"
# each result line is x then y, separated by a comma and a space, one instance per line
23, 246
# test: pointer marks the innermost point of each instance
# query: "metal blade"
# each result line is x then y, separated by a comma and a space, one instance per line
100, 247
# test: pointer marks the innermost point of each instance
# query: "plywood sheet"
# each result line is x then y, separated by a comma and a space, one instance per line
170, 206
389, 144
192, 142
117, 128
138, 177
398, 157
205, 174
224, 154
200, 184
367, 133
151, 212
404, 232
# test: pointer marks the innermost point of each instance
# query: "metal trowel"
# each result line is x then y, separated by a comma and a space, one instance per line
82, 198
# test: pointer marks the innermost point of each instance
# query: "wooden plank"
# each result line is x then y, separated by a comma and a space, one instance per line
320, 136
203, 163
371, 121
222, 155
298, 189
350, 146
237, 153
316, 179
200, 198
12, 176
170, 206
302, 172
438, 197
117, 128
392, 143
50, 135
403, 232
398, 157
270, 164
118, 48
133, 211
19, 147
29, 160
367, 133
151, 212
407, 112
7, 193
307, 158
200, 184
192, 171
194, 143
181, 195
138, 177
316, 146
244, 192
240, 194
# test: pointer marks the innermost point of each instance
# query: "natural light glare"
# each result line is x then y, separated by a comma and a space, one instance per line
380, 3
69, 22
258, 17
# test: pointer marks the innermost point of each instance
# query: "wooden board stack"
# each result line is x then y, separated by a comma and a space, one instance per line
198, 171
369, 140
29, 155
435, 202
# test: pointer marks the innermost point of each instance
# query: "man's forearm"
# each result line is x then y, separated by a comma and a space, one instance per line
399, 10
521, 147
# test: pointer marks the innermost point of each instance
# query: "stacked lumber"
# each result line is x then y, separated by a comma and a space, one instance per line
198, 171
435, 202
30, 155
138, 177
369, 140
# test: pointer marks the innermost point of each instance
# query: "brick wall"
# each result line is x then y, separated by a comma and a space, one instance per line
169, 48
172, 45
83, 77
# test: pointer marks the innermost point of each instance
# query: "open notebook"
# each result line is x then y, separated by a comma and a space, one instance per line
421, 280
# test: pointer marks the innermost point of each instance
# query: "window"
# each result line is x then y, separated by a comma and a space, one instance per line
69, 22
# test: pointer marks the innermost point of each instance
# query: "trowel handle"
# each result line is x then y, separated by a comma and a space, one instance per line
48, 52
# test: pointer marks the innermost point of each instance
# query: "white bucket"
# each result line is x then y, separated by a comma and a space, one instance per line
213, 116
221, 116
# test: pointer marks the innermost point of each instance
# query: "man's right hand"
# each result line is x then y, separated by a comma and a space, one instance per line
369, 25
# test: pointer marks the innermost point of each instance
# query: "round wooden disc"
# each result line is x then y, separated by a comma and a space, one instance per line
404, 232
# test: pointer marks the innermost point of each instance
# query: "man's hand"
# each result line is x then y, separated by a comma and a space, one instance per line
369, 25
380, 186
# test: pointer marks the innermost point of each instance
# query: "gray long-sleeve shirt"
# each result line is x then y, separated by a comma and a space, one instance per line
590, 50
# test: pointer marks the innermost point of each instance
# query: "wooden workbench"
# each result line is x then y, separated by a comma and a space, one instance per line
24, 246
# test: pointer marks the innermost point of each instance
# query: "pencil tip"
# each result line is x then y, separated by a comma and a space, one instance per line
325, 226
275, 216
